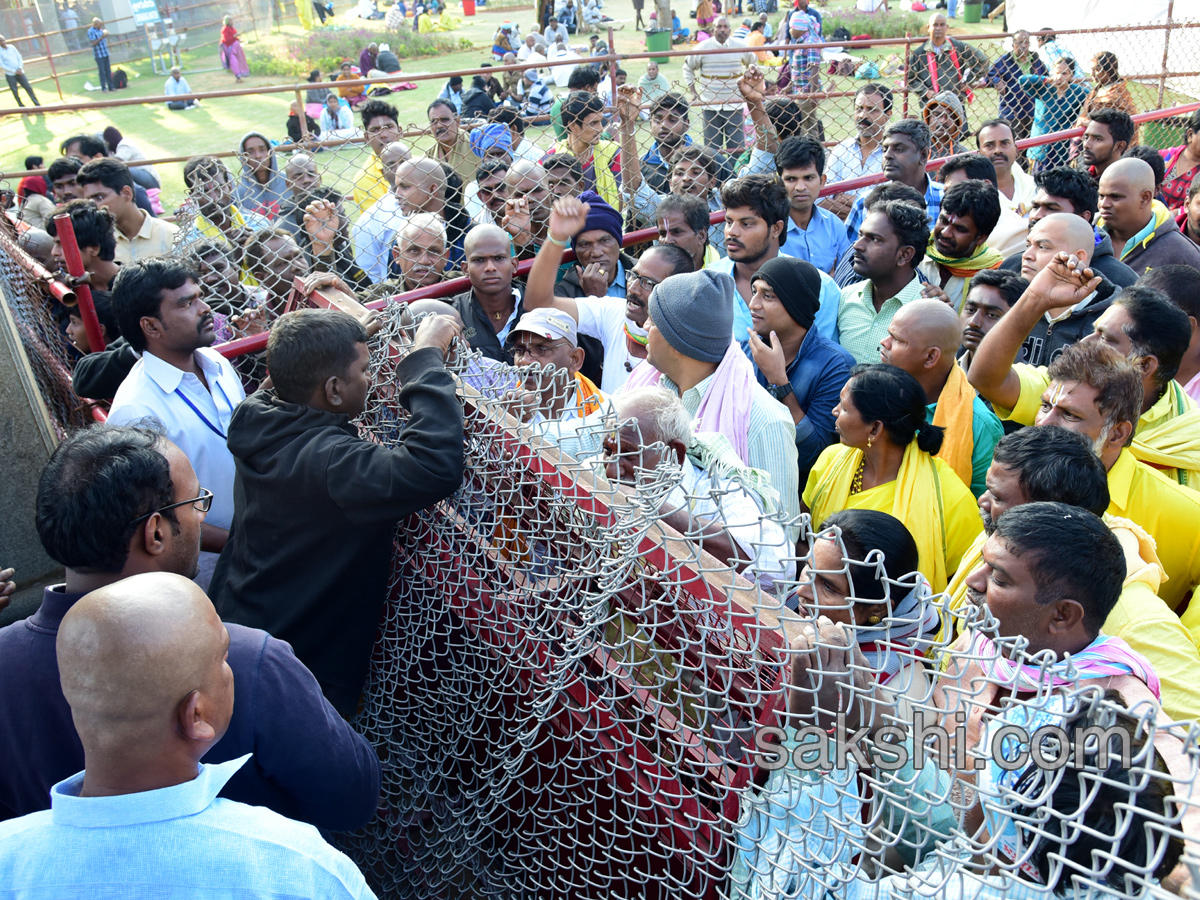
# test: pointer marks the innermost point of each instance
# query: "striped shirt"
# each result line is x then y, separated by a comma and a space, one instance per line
770, 442
860, 327
718, 73
99, 49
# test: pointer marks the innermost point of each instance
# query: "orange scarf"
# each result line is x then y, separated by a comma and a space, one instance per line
589, 395
956, 414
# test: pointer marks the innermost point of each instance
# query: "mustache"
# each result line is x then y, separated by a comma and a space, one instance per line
976, 597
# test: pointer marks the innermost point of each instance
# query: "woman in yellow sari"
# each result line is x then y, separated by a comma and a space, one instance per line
885, 462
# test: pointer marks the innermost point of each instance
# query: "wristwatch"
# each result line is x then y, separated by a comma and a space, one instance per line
779, 391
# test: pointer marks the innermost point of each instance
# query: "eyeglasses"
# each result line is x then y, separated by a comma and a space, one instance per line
534, 351
203, 503
645, 282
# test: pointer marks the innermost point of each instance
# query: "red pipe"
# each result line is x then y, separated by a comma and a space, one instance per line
65, 231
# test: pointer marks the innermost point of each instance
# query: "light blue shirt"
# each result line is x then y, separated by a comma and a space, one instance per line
175, 842
825, 322
822, 243
10, 60
174, 88
617, 288
345, 119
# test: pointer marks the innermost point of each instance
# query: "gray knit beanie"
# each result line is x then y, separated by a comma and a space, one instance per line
694, 313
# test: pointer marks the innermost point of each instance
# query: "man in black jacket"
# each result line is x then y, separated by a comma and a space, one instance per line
1053, 234
1066, 190
316, 506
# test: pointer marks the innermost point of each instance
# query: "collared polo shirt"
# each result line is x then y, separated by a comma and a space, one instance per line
180, 841
822, 243
846, 162
156, 237
196, 419
860, 327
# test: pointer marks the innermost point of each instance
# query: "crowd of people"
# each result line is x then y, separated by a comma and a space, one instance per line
967, 369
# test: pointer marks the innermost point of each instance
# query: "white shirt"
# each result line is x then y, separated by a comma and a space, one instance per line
1024, 188
604, 318
345, 119
527, 149
474, 207
10, 60
373, 235
845, 162
175, 88
195, 419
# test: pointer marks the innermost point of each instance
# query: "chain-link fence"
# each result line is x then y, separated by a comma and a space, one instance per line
577, 691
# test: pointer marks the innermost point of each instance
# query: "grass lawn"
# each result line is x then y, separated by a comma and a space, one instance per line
219, 123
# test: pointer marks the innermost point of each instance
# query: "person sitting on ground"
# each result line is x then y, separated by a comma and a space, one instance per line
798, 366
180, 381
1141, 324
143, 665
946, 119
535, 99
476, 101
387, 61
95, 234
34, 206
886, 461
690, 350
261, 187
117, 501
1066, 190
108, 183
618, 323
653, 84
354, 94
348, 492
420, 253
315, 95
1092, 389
891, 243
381, 126
176, 85
719, 502
373, 233
683, 220
1143, 232
993, 293
217, 217
294, 131
1008, 235
923, 340
336, 119
958, 245
1052, 464
1108, 133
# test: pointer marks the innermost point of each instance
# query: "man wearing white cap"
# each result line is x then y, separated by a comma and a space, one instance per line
559, 391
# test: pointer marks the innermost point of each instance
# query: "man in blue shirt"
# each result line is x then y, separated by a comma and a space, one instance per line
98, 35
143, 665
813, 234
118, 501
905, 153
797, 365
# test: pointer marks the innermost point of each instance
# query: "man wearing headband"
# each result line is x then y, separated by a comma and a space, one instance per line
618, 323
799, 367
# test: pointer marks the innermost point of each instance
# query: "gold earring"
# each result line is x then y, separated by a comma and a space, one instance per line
870, 443
874, 620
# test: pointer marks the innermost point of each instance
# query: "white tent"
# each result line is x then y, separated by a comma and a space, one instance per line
1140, 52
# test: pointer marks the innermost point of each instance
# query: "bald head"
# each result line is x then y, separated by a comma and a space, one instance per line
421, 186
141, 661
1054, 234
923, 338
390, 158
486, 236
435, 307
1125, 196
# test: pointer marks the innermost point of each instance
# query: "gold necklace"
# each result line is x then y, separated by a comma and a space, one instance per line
856, 484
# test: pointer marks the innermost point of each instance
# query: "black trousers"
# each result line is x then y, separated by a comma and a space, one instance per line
13, 81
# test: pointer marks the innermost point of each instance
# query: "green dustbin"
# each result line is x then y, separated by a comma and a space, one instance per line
972, 13
659, 41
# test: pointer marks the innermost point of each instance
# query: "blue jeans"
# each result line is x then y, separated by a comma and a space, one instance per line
952, 8
105, 72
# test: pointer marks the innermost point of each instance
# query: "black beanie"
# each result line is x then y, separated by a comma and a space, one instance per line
796, 283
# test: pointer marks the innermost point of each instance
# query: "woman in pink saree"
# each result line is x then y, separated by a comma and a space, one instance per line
233, 57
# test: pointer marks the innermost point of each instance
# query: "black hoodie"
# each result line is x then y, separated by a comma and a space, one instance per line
315, 511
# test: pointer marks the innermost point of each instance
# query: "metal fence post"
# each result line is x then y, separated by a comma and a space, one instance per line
1162, 81
50, 60
904, 87
83, 292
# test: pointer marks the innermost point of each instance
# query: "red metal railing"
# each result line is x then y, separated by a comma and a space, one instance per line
633, 238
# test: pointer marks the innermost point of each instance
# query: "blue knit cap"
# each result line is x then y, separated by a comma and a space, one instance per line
601, 217
694, 313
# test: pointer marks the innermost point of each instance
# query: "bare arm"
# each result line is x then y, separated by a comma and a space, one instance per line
629, 102
752, 85
567, 218
1063, 283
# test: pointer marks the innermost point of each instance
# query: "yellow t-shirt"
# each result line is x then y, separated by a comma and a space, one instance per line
370, 186
1173, 403
960, 513
1141, 618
